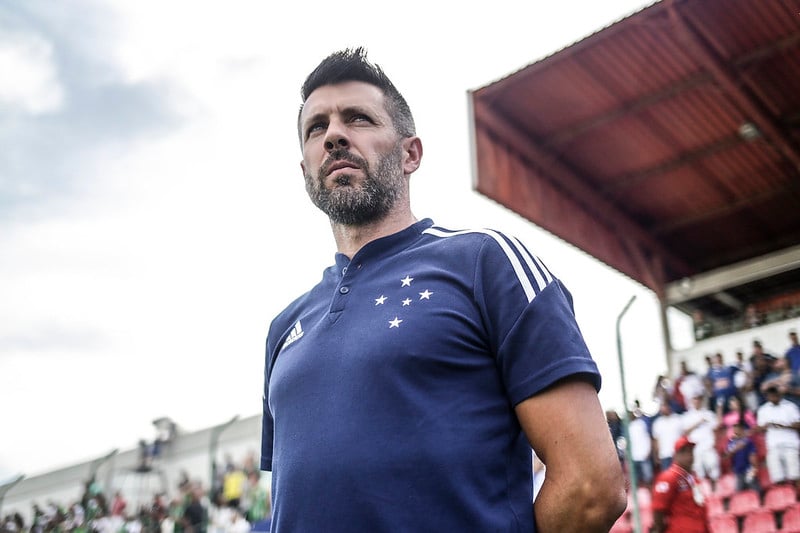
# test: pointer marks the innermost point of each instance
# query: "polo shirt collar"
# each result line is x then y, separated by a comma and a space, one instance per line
387, 245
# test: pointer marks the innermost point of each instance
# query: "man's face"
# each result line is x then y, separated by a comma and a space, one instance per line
793, 338
684, 457
353, 159
773, 397
697, 402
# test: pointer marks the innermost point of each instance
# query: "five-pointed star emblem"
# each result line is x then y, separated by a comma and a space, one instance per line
406, 281
394, 323
425, 295
379, 301
406, 302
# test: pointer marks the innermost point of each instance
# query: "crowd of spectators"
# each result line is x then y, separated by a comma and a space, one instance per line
236, 502
742, 414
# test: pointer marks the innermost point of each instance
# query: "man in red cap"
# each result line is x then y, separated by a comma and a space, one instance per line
678, 504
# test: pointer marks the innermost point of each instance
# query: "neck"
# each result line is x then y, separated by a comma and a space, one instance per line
350, 239
683, 466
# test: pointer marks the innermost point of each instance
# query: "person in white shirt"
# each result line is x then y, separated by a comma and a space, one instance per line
700, 424
641, 448
780, 419
667, 429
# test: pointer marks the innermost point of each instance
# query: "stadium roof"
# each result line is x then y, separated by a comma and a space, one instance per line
666, 145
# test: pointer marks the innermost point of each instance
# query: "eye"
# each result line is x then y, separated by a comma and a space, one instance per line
360, 118
314, 128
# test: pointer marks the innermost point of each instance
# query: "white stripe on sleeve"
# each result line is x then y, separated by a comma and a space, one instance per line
524, 280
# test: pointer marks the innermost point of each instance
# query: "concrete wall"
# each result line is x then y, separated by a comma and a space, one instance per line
188, 452
774, 338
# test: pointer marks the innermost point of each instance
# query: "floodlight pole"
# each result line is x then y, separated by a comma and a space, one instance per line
637, 524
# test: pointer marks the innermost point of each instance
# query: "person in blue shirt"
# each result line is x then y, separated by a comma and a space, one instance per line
743, 455
721, 377
793, 353
406, 389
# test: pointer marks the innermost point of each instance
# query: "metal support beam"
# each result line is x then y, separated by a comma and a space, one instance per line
718, 280
750, 106
568, 181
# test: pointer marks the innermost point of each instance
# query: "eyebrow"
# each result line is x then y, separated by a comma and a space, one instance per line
347, 111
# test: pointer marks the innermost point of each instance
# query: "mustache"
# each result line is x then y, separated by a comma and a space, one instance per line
341, 154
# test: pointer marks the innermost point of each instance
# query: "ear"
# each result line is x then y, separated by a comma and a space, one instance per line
412, 154
303, 167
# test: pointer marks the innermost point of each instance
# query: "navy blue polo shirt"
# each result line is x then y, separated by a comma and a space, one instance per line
390, 387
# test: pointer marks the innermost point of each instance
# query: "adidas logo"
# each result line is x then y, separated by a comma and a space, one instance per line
295, 334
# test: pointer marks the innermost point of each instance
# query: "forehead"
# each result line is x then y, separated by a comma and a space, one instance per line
330, 99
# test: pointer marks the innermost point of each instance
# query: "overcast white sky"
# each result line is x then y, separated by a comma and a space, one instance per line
152, 211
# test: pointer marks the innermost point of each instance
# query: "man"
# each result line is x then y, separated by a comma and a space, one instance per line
667, 429
741, 450
780, 418
405, 391
700, 425
721, 377
641, 447
687, 385
763, 363
678, 504
793, 353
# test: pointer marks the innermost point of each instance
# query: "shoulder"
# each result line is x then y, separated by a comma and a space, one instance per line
493, 252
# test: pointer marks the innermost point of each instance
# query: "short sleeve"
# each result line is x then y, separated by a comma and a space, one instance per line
530, 320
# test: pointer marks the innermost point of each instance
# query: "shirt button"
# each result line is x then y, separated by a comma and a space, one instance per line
344, 290
344, 270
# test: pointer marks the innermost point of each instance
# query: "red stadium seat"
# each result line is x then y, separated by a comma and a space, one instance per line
791, 519
744, 502
779, 497
726, 485
715, 506
761, 521
723, 524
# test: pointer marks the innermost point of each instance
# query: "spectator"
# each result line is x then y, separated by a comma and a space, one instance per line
793, 353
238, 523
118, 504
667, 429
678, 504
782, 377
233, 485
741, 450
738, 412
699, 425
687, 385
641, 448
780, 418
762, 366
703, 329
195, 516
721, 378
615, 427
752, 318
255, 500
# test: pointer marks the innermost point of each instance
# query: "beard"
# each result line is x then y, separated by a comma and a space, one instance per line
358, 204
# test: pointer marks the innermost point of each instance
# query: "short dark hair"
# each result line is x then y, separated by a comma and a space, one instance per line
352, 64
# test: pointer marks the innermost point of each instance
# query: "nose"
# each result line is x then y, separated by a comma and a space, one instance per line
335, 137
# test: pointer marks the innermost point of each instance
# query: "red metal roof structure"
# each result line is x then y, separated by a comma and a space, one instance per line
666, 145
